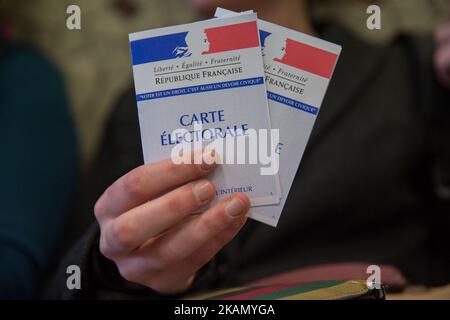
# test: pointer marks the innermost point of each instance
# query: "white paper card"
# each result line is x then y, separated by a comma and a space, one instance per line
208, 72
298, 68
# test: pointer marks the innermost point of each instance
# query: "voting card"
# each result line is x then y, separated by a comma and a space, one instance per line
298, 69
202, 83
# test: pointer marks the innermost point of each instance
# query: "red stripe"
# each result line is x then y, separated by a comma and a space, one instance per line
308, 58
256, 292
232, 37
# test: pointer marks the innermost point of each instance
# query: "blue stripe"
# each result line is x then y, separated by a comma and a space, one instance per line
200, 88
157, 48
292, 103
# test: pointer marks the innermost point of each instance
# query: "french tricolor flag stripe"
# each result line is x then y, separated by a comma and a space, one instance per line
232, 37
311, 59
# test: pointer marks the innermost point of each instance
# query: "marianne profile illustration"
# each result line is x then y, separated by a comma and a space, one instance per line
276, 44
196, 43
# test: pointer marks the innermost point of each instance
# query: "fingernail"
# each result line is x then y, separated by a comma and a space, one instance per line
234, 207
208, 160
203, 190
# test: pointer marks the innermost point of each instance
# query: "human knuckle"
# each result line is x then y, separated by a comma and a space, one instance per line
123, 233
104, 247
100, 208
133, 184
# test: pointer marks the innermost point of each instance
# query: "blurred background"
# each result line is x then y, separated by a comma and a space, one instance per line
41, 174
95, 60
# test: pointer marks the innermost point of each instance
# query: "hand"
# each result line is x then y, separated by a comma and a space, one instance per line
149, 230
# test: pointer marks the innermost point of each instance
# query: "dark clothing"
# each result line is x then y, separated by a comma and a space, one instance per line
39, 166
365, 189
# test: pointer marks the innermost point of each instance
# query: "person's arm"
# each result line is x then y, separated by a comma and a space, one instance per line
148, 242
38, 163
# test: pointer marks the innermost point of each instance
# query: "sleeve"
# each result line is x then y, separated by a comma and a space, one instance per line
98, 276
38, 164
100, 279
